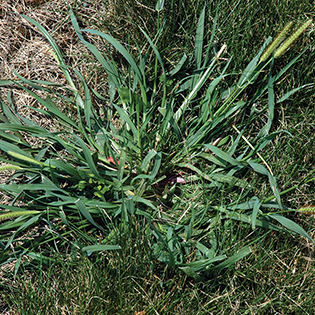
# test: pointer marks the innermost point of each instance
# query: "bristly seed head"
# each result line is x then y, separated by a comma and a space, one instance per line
293, 38
307, 209
25, 158
276, 42
13, 214
10, 167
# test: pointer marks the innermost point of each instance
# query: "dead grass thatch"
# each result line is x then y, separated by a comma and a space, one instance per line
25, 51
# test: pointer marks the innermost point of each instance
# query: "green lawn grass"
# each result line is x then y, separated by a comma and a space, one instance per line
153, 272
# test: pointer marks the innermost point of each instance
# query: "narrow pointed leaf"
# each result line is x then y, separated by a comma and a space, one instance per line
289, 224
223, 155
99, 248
234, 259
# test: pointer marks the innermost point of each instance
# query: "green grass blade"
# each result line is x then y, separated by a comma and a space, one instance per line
197, 86
50, 105
274, 187
12, 118
201, 265
258, 168
234, 259
158, 56
88, 157
111, 69
99, 248
252, 70
273, 183
25, 226
88, 107
143, 201
58, 166
289, 224
248, 219
210, 43
266, 140
255, 211
278, 75
288, 94
155, 50
217, 177
18, 153
56, 54
223, 155
146, 161
271, 105
85, 212
35, 131
13, 214
121, 166
159, 5
7, 82
157, 165
199, 39
125, 117
122, 50
179, 66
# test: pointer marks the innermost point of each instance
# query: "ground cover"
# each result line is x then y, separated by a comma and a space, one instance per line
204, 217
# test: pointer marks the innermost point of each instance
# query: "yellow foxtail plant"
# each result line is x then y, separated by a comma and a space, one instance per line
274, 46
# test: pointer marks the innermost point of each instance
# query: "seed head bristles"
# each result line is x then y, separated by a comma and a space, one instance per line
307, 209
276, 42
25, 158
11, 215
292, 38
10, 167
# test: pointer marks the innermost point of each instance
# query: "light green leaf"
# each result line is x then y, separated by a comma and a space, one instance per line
199, 38
234, 259
159, 5
26, 225
203, 264
85, 212
289, 224
99, 248
223, 155
88, 156
288, 94
146, 161
255, 211
125, 117
56, 53
121, 49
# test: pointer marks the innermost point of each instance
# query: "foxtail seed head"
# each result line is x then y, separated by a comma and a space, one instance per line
10, 167
25, 158
276, 42
14, 214
307, 209
282, 49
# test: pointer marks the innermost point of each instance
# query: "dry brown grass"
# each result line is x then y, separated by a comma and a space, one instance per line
25, 51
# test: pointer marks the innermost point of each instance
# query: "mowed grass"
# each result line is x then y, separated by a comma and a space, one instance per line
278, 276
